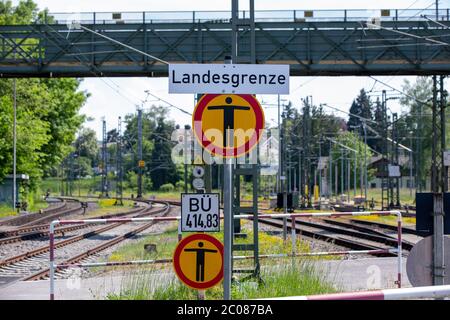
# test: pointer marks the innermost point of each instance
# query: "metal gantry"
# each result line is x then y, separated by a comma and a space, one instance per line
333, 43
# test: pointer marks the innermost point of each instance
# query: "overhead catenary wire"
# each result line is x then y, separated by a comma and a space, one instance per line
407, 34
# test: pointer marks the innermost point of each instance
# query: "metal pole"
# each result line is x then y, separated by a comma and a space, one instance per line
283, 182
365, 161
330, 188
342, 171
139, 193
228, 194
354, 172
336, 170
52, 259
15, 142
348, 179
320, 172
437, 189
411, 166
186, 128
279, 148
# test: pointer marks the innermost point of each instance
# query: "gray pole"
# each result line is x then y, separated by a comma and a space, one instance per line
348, 178
330, 190
437, 186
139, 195
283, 182
342, 171
354, 173
228, 180
14, 142
186, 128
411, 166
365, 161
279, 148
336, 170
361, 175
320, 172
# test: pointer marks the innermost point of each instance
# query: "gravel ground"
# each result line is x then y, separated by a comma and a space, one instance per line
315, 245
13, 249
32, 265
104, 255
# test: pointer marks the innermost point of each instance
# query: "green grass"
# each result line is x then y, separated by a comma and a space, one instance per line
405, 197
391, 220
107, 206
298, 278
281, 277
167, 241
35, 203
7, 211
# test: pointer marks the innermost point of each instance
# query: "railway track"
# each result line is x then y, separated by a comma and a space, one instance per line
35, 218
29, 233
355, 235
43, 274
343, 234
29, 265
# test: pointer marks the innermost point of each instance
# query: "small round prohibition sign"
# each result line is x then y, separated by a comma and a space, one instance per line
198, 261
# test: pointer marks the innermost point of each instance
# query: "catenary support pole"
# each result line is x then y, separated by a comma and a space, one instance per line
139, 193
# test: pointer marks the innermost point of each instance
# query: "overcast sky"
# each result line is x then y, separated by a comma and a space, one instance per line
116, 97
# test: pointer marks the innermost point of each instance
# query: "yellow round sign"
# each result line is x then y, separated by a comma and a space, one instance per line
198, 261
228, 125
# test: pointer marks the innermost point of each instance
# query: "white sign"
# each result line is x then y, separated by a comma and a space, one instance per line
229, 78
200, 212
447, 158
394, 171
198, 184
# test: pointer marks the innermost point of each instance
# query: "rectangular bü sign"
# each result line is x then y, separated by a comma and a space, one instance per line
229, 78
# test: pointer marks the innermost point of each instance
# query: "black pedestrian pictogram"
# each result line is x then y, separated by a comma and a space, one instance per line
228, 117
200, 261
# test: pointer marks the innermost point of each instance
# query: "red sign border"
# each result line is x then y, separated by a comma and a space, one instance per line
176, 261
236, 151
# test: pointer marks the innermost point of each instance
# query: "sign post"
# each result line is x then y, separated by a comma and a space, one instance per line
228, 219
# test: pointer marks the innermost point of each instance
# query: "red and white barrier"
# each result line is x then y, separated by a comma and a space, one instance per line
53, 266
430, 292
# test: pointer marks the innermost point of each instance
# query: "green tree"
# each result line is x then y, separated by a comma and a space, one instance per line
47, 112
86, 144
163, 170
418, 99
362, 107
157, 146
353, 141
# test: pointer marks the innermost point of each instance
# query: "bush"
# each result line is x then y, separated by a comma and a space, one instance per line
180, 185
168, 187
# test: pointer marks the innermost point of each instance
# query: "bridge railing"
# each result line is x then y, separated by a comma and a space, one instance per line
260, 16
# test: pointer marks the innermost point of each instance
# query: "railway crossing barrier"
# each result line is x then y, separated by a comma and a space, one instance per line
429, 292
53, 266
